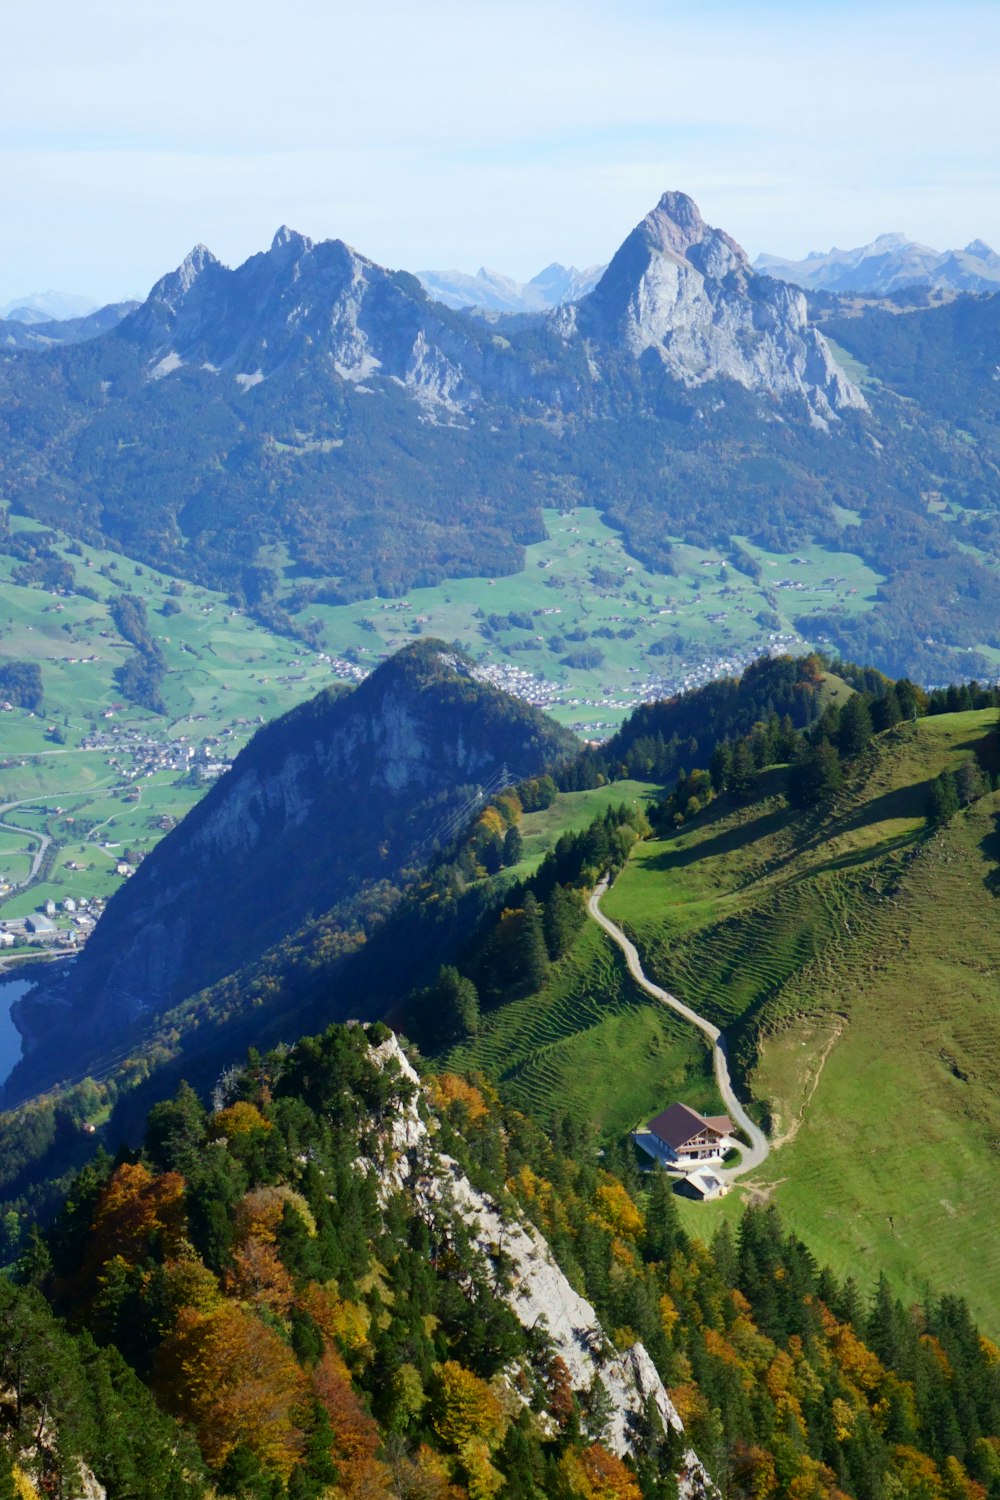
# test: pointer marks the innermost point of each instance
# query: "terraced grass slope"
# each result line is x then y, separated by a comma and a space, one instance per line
590, 1046
854, 958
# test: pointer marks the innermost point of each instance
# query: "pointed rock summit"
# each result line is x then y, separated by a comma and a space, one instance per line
688, 291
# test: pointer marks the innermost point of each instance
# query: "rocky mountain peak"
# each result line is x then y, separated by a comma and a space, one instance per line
289, 240
687, 290
193, 264
675, 224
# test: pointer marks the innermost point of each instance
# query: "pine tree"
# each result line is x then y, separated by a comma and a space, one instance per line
513, 846
886, 711
815, 776
532, 955
664, 1234
741, 776
969, 782
563, 918
855, 726
942, 800
451, 1007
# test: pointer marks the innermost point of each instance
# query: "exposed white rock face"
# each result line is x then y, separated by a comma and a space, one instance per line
299, 295
540, 1292
676, 286
689, 292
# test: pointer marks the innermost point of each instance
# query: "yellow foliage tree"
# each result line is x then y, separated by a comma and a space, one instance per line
465, 1408
239, 1119
617, 1211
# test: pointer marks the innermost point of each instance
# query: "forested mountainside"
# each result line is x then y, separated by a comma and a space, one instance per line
487, 911
311, 426
340, 796
344, 1282
290, 867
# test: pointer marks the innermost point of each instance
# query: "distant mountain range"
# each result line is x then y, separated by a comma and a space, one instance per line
313, 405
491, 291
47, 307
890, 264
23, 330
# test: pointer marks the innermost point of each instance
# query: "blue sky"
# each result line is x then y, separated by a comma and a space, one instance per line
455, 134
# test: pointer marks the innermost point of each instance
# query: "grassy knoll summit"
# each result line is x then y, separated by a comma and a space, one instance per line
851, 952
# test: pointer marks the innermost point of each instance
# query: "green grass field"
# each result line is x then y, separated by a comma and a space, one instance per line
582, 580
571, 813
226, 674
591, 1046
855, 962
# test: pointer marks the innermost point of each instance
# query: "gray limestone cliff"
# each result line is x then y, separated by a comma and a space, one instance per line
688, 292
539, 1294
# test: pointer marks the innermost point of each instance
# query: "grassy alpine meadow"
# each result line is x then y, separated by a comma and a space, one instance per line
597, 629
591, 1046
584, 629
572, 812
853, 955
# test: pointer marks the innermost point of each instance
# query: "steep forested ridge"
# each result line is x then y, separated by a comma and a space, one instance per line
330, 1279
327, 808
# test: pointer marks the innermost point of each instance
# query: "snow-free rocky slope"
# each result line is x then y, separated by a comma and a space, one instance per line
689, 292
675, 285
345, 790
540, 1295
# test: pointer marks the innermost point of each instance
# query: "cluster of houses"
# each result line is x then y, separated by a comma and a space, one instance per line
41, 927
691, 1146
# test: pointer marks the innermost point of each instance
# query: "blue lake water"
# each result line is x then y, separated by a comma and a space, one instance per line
10, 1037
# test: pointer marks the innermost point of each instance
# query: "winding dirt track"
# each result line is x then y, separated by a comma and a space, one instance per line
759, 1149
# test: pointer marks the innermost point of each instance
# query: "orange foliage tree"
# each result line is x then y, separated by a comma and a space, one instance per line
237, 1382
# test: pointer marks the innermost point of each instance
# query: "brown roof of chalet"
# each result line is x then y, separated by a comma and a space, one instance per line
679, 1124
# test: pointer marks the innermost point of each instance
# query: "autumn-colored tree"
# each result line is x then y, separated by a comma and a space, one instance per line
238, 1384
448, 1089
465, 1407
363, 1476
344, 1323
260, 1212
136, 1215
239, 1119
258, 1276
596, 1474
562, 1404
616, 1209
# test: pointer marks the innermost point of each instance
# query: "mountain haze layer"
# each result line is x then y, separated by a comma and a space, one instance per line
889, 264
492, 292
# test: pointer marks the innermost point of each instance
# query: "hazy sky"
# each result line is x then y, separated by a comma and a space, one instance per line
462, 132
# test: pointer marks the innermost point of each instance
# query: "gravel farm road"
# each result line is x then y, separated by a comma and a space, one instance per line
759, 1149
